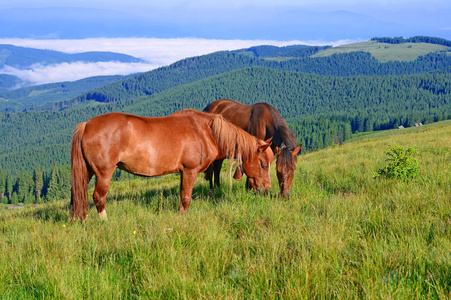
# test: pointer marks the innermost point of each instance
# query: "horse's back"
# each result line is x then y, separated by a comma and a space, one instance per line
117, 125
261, 119
237, 113
256, 118
148, 146
224, 106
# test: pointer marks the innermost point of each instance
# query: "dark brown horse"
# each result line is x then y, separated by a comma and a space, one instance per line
186, 142
263, 121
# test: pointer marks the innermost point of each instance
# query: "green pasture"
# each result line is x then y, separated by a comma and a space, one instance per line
385, 52
342, 234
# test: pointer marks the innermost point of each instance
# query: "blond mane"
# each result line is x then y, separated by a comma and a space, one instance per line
232, 141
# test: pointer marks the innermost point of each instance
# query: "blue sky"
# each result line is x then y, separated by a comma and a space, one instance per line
165, 31
403, 16
371, 7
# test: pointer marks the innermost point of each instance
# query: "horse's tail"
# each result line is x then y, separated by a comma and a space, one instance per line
80, 177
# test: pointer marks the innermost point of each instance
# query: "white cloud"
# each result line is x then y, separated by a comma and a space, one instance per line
157, 52
38, 74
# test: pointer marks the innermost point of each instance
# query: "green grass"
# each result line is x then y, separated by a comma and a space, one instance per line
342, 234
386, 52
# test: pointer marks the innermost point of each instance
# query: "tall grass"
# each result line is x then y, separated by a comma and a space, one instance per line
342, 234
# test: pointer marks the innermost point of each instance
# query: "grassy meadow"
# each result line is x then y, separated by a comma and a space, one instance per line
398, 52
343, 234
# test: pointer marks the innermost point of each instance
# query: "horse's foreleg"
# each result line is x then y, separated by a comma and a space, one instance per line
248, 184
209, 177
100, 191
217, 165
186, 189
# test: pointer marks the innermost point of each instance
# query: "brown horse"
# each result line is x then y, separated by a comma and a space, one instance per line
186, 142
263, 121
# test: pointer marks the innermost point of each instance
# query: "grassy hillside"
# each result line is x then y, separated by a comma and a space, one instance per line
342, 234
385, 52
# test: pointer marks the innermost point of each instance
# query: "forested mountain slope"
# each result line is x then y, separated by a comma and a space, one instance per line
295, 58
197, 68
47, 96
319, 109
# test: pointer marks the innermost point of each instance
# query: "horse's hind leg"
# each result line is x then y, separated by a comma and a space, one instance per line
100, 191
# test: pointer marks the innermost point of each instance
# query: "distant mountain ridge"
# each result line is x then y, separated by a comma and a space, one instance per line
23, 58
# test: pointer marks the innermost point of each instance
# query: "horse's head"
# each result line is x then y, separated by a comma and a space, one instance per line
285, 166
257, 166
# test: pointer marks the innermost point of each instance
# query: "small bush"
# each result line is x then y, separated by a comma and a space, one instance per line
401, 163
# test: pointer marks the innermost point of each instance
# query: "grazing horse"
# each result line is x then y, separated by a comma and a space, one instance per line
263, 121
185, 142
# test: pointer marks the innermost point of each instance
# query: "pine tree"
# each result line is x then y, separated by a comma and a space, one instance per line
14, 198
29, 198
2, 184
369, 123
347, 131
23, 186
64, 176
53, 185
38, 178
9, 186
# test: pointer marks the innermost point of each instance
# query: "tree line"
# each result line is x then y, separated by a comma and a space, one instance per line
286, 51
415, 39
37, 186
41, 186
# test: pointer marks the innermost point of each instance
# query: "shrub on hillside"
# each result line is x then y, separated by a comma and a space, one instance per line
401, 163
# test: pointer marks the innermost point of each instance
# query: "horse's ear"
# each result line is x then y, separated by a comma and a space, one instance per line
268, 143
238, 173
296, 150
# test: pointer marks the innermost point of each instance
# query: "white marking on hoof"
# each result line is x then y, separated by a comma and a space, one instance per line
103, 215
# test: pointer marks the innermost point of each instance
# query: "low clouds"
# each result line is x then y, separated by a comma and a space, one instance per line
156, 52
38, 74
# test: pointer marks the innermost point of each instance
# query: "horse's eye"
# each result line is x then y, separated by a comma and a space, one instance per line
264, 166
